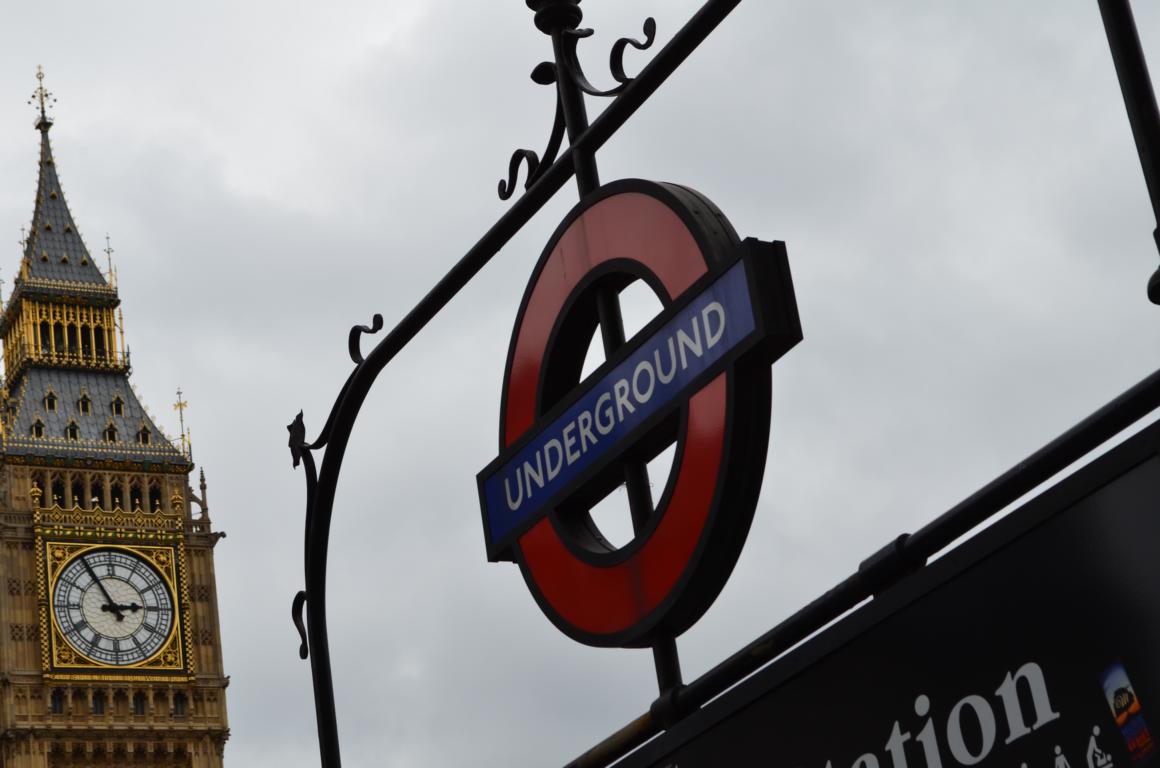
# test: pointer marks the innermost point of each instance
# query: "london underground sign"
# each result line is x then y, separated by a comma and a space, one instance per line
697, 375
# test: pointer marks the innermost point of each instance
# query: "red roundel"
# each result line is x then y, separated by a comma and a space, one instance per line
665, 579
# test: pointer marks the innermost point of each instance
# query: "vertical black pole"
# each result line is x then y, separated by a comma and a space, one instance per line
555, 18
1140, 101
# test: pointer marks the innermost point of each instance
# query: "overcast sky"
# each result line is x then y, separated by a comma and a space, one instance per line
956, 182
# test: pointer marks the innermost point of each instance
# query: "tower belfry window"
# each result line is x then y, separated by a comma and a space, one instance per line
99, 341
143, 436
37, 429
117, 406
50, 402
85, 404
110, 434
72, 431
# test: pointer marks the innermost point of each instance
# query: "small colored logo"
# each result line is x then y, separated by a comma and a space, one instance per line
1126, 709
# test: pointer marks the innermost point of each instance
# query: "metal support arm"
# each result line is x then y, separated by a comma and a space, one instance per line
336, 433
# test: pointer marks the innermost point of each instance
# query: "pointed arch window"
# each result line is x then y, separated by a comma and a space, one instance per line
37, 429
110, 434
99, 341
144, 436
50, 402
85, 404
72, 431
117, 406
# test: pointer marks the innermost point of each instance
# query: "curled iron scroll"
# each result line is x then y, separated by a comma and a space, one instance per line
296, 617
615, 58
353, 342
543, 74
547, 73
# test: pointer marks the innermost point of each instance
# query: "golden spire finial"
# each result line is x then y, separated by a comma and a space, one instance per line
109, 260
180, 407
42, 98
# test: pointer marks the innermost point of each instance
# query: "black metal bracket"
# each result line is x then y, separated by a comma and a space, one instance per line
548, 176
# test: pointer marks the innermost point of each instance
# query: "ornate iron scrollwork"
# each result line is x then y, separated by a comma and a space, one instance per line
547, 73
356, 334
544, 74
570, 39
302, 452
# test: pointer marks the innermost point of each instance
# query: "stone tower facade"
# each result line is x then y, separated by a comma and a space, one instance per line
110, 649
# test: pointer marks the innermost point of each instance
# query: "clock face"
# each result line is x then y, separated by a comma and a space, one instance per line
113, 606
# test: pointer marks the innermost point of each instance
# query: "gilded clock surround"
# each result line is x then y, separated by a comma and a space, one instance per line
85, 467
61, 660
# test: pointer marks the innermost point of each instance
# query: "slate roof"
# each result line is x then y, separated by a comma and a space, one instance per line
102, 388
54, 249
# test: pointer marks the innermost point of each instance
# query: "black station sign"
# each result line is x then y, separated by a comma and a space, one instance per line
697, 375
1034, 645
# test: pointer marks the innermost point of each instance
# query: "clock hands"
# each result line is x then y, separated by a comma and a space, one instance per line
112, 605
130, 607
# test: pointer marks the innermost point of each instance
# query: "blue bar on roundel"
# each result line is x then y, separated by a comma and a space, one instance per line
648, 381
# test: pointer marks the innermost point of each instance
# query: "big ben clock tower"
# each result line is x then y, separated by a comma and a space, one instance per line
110, 652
